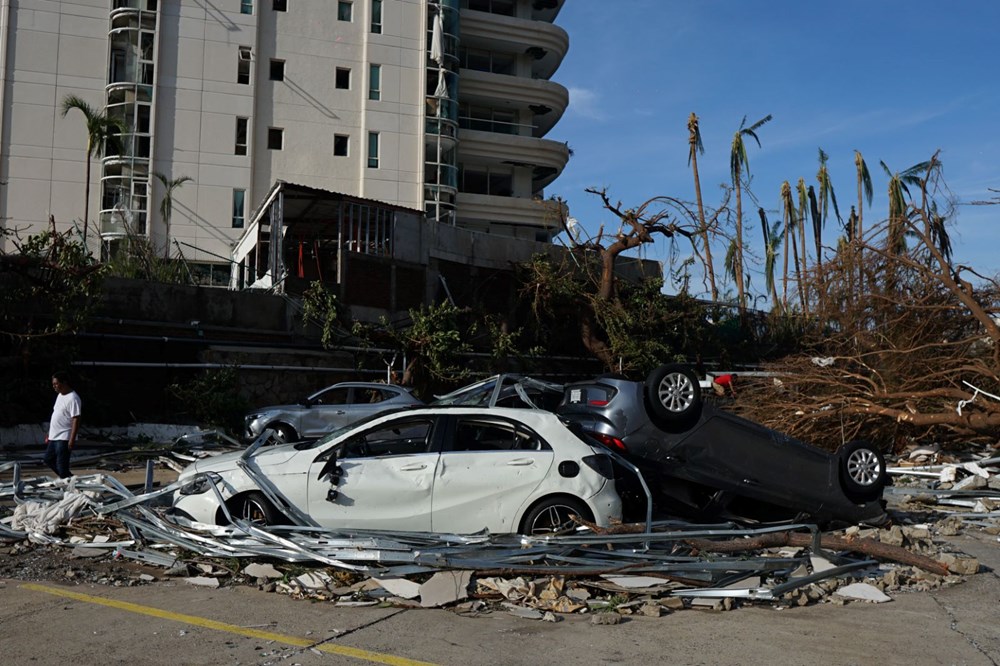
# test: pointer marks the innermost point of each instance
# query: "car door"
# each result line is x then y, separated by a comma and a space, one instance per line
327, 410
380, 478
488, 469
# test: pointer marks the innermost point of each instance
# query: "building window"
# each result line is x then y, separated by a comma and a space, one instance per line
372, 150
280, 5
243, 65
277, 70
344, 10
275, 138
239, 198
340, 143
246, 6
343, 78
501, 7
375, 82
242, 124
497, 182
377, 17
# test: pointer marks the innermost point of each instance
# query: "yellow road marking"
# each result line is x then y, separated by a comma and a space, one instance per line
343, 650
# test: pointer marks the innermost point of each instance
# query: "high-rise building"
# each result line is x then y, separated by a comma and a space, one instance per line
436, 105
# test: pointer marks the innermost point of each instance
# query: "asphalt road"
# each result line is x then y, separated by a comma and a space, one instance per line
175, 623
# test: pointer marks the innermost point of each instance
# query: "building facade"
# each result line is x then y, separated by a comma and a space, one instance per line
435, 105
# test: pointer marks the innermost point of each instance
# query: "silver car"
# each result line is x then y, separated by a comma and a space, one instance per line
323, 411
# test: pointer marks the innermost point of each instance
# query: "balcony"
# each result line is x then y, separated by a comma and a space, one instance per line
505, 211
545, 100
545, 43
546, 158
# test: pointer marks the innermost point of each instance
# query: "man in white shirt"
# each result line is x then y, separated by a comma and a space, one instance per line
63, 425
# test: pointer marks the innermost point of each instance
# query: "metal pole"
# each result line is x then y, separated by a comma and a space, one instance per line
149, 477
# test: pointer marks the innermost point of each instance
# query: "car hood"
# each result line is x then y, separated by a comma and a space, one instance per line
267, 456
275, 408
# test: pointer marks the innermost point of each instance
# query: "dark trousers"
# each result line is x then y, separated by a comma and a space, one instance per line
57, 457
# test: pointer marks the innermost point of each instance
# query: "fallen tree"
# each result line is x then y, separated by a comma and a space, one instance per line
904, 344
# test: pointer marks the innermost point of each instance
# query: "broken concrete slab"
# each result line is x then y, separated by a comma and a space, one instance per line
863, 592
445, 587
202, 581
605, 618
257, 570
960, 565
314, 580
401, 587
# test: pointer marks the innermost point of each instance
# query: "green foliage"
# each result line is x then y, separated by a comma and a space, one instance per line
50, 286
435, 342
213, 398
137, 259
320, 306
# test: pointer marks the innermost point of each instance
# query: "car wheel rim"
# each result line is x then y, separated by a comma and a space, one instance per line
863, 467
254, 513
554, 519
676, 392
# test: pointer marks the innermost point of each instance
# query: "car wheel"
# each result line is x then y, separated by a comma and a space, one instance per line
256, 509
553, 516
283, 433
673, 392
862, 470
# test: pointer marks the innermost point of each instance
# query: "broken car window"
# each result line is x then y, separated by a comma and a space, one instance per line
392, 439
483, 435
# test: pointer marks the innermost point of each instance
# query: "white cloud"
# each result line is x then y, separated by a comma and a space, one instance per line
585, 103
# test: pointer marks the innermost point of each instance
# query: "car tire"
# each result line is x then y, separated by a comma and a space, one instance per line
673, 393
862, 470
552, 516
256, 509
284, 433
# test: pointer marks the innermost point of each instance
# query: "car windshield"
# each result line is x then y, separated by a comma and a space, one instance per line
477, 394
334, 434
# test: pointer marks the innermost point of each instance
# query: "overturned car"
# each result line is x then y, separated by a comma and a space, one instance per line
704, 462
425, 469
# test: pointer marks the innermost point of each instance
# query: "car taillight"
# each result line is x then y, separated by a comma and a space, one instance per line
598, 403
612, 443
600, 464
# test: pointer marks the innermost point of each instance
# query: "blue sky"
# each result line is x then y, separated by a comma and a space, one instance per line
895, 80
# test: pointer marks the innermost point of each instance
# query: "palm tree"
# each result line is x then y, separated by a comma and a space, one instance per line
826, 195
694, 148
865, 191
103, 133
790, 222
803, 212
167, 204
898, 194
772, 241
738, 163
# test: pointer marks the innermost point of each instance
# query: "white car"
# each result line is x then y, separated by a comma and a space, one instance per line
426, 469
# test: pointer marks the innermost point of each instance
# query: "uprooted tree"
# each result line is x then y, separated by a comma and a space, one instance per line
628, 325
902, 343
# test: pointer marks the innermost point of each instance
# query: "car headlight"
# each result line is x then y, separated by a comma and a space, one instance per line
200, 483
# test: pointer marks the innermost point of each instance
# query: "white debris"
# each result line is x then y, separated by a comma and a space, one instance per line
203, 581
445, 587
635, 581
44, 517
257, 570
400, 587
863, 592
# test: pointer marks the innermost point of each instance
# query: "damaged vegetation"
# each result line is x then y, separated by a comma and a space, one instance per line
905, 346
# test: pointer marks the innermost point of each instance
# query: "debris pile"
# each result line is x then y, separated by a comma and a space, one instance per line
962, 489
608, 574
